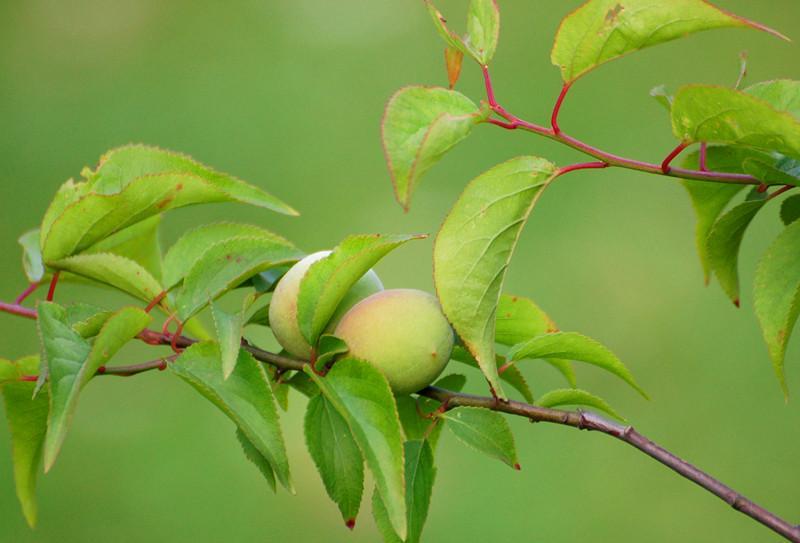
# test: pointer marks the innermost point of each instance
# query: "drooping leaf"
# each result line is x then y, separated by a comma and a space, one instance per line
336, 455
360, 393
485, 431
603, 30
574, 396
225, 265
329, 279
32, 255
511, 375
138, 242
574, 346
790, 209
27, 421
474, 247
705, 113
419, 126
724, 242
258, 459
777, 295
245, 397
420, 475
69, 373
113, 270
185, 252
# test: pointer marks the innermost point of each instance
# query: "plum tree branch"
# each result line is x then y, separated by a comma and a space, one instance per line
450, 399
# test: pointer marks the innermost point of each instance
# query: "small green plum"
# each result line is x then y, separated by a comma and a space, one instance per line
283, 306
403, 333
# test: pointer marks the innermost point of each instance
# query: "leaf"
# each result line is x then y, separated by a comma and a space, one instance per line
113, 270
782, 94
722, 115
336, 455
71, 364
453, 59
485, 431
27, 421
790, 209
483, 30
225, 265
419, 126
360, 393
573, 396
329, 279
32, 255
120, 167
415, 413
474, 247
245, 397
229, 337
139, 243
420, 474
67, 194
773, 172
260, 316
185, 252
603, 30
258, 459
662, 96
266, 281
328, 349
574, 346
86, 319
302, 383
511, 375
777, 295
724, 242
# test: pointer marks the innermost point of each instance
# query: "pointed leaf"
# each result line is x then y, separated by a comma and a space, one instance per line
32, 255
483, 29
258, 459
419, 126
360, 393
452, 39
245, 397
485, 431
453, 60
574, 396
790, 209
519, 319
474, 247
329, 279
336, 455
603, 30
574, 346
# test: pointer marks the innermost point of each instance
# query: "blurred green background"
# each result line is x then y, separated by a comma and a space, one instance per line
289, 95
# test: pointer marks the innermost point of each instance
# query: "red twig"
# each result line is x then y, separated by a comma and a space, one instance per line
27, 292
155, 301
704, 157
665, 166
780, 191
557, 108
582, 166
53, 282
18, 310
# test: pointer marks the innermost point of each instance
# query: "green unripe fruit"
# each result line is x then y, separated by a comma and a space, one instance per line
403, 333
283, 306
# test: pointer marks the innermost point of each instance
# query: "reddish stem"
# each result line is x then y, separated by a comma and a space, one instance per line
703, 157
28, 378
18, 310
27, 292
582, 166
53, 282
174, 341
557, 108
155, 301
665, 166
503, 124
780, 191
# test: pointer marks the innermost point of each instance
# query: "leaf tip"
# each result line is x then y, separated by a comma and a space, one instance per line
517, 466
737, 302
350, 523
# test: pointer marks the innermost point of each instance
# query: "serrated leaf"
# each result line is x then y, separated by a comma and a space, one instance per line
336, 455
705, 113
139, 243
71, 363
485, 431
574, 396
474, 247
229, 337
603, 30
724, 242
328, 280
419, 126
790, 209
121, 166
185, 252
225, 265
258, 459
245, 397
113, 270
32, 255
27, 421
360, 393
420, 474
574, 346
512, 375
777, 295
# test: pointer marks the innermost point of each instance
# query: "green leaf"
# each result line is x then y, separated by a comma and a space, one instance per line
790, 209
782, 94
32, 255
704, 113
474, 247
420, 474
419, 126
67, 194
302, 383
258, 459
336, 455
573, 396
139, 243
266, 281
245, 397
360, 393
483, 30
415, 413
777, 295
574, 346
229, 336
190, 247
511, 375
772, 171
71, 364
27, 421
86, 319
724, 242
329, 279
113, 270
120, 167
662, 96
485, 431
225, 265
260, 316
603, 30
328, 349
